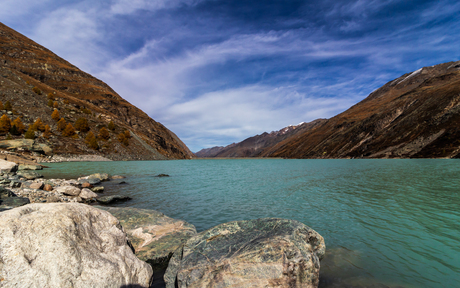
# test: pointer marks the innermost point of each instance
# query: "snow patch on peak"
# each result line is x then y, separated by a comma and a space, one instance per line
411, 75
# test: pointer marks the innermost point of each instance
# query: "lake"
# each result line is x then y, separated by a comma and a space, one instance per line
394, 223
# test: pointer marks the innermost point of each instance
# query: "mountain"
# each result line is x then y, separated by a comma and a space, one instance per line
414, 116
254, 146
32, 79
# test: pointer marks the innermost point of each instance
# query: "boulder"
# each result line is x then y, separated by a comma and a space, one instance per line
29, 167
7, 166
68, 245
117, 177
36, 185
86, 185
153, 235
68, 190
98, 189
100, 176
5, 193
27, 144
48, 187
29, 175
87, 194
91, 181
15, 184
12, 202
112, 199
266, 252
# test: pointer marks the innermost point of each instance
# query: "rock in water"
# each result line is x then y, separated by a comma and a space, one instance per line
153, 235
68, 190
112, 199
256, 253
66, 245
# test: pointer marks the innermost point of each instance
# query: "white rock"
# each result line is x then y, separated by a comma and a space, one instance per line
7, 166
66, 245
68, 190
87, 194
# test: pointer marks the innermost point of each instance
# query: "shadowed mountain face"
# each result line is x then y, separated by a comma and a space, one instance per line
31, 76
254, 146
414, 116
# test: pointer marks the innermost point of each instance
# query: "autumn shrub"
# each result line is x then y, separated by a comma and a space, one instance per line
104, 134
50, 96
5, 124
91, 141
82, 125
38, 125
69, 131
50, 103
127, 134
19, 126
55, 105
61, 124
111, 126
7, 106
47, 132
30, 134
86, 111
55, 115
122, 139
37, 90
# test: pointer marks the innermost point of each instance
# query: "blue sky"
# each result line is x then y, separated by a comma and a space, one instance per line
216, 72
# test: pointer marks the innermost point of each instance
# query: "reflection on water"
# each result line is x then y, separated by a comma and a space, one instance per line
386, 223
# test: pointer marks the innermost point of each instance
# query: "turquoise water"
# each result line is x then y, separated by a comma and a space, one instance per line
394, 223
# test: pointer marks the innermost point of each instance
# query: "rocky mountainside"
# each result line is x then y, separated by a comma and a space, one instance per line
254, 146
34, 82
414, 116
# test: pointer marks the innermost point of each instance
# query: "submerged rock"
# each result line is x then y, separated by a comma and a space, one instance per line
117, 177
68, 245
153, 235
256, 253
98, 189
112, 199
162, 175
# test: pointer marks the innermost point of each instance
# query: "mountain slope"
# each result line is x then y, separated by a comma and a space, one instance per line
254, 146
30, 72
414, 116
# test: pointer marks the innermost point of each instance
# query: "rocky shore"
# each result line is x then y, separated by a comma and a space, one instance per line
49, 237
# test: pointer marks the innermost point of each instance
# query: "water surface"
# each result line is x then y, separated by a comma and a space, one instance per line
394, 223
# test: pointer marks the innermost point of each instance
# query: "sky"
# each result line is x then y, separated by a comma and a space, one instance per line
218, 71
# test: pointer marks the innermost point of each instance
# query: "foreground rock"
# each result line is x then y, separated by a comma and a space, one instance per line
153, 235
68, 245
257, 253
7, 166
9, 200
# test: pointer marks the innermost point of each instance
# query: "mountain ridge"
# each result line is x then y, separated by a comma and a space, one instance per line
30, 72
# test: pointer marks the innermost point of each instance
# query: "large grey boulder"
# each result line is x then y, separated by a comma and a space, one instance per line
68, 190
153, 235
256, 253
66, 245
27, 144
7, 166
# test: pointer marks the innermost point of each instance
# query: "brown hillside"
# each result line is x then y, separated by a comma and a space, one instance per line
414, 116
30, 72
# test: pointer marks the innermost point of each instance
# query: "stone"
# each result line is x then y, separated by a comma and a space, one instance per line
122, 183
92, 181
117, 177
29, 175
36, 185
86, 185
162, 175
68, 245
48, 187
26, 144
98, 189
15, 184
153, 235
100, 176
7, 166
12, 202
87, 194
6, 193
29, 167
112, 199
68, 190
265, 252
